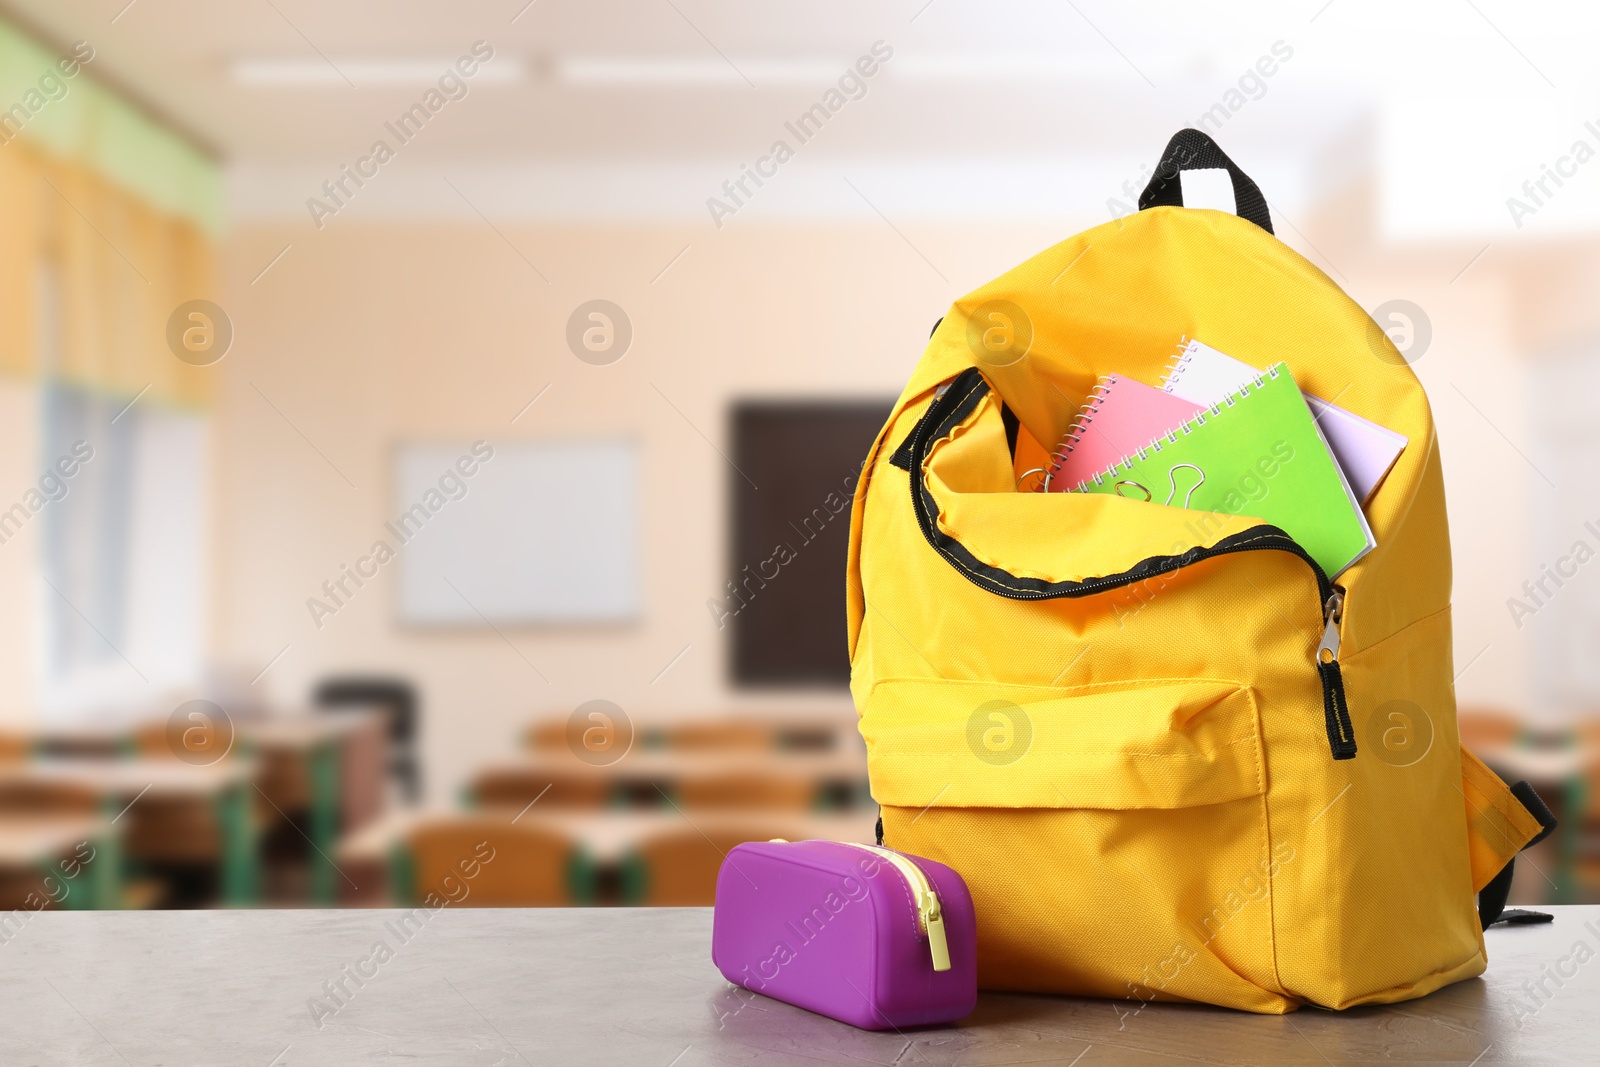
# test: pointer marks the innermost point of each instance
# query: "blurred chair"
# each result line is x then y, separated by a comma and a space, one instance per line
810, 735
92, 741
742, 790
714, 735
150, 741
549, 735
398, 700
1484, 728
678, 868
546, 735
155, 739
283, 778
483, 861
14, 747
514, 787
174, 830
27, 795
23, 891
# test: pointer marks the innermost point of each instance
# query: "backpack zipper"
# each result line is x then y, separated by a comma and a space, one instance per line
966, 390
1341, 733
1336, 712
1332, 614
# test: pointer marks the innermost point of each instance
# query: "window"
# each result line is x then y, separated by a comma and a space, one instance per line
123, 551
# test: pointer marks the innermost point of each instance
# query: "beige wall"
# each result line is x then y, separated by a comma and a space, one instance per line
368, 336
365, 337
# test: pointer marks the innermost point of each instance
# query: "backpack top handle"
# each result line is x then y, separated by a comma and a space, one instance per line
1194, 150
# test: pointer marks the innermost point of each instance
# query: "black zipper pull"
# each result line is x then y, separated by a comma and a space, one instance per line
1341, 734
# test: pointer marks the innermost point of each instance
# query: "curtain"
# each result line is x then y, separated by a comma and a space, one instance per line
121, 212
121, 267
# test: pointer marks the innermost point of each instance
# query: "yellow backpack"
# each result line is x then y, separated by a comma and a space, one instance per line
1169, 757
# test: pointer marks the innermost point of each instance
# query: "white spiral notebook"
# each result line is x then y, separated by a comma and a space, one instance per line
1365, 451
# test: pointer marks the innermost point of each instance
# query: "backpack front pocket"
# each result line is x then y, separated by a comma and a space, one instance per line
1114, 835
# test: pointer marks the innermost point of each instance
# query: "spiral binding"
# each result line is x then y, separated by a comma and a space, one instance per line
1080, 422
1022, 480
1125, 464
1180, 357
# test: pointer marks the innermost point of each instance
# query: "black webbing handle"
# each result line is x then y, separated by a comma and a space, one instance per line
1195, 150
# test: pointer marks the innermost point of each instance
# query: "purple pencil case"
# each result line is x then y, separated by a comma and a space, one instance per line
862, 934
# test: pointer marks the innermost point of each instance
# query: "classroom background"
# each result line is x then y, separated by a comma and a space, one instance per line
431, 425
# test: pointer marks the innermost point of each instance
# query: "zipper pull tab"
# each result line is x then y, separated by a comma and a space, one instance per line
937, 945
1332, 613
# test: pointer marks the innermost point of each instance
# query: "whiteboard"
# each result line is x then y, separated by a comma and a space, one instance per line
538, 532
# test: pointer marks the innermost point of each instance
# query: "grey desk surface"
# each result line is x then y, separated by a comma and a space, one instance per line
636, 987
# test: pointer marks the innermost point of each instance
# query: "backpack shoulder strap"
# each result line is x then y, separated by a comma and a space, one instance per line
1502, 820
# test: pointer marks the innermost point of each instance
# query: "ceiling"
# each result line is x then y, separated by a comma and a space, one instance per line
1009, 78
646, 106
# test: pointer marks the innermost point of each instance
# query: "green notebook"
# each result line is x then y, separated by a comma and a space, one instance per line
1260, 453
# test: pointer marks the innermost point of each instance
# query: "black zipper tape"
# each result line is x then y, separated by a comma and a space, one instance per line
957, 403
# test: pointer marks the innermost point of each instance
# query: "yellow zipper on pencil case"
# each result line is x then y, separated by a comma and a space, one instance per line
930, 916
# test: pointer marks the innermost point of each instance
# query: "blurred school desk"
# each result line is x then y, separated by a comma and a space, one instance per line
165, 787
325, 770
605, 837
636, 987
42, 857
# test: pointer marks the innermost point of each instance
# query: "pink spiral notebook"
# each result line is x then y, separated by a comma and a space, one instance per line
1120, 417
